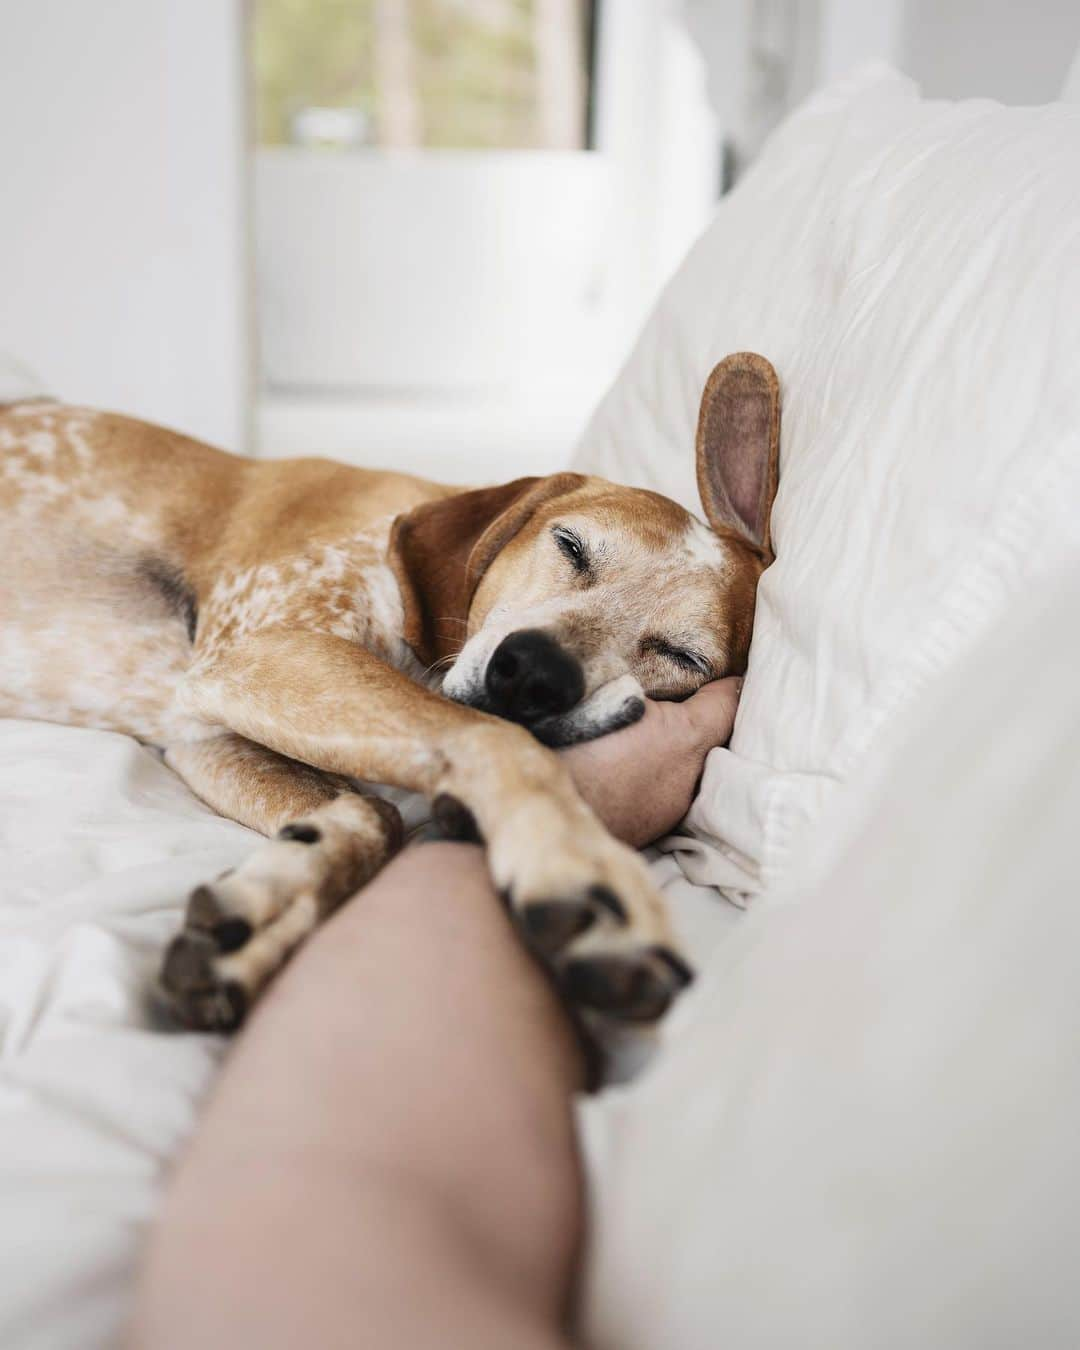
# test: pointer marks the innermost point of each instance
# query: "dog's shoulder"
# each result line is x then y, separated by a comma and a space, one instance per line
296, 504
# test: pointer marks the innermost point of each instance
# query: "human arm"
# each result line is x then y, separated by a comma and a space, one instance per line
388, 1157
641, 781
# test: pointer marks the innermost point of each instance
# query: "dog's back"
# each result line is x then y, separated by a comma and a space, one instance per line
116, 535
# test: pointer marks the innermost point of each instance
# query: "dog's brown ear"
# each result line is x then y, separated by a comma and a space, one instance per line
441, 549
738, 448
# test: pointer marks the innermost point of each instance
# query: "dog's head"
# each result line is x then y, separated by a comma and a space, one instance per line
561, 601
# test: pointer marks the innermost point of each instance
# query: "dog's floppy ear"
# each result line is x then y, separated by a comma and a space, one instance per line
738, 448
441, 549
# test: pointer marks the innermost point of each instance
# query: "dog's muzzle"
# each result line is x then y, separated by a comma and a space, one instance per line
530, 677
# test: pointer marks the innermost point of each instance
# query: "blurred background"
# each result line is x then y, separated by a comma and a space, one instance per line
415, 233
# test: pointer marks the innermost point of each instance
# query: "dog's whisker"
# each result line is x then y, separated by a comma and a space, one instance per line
442, 663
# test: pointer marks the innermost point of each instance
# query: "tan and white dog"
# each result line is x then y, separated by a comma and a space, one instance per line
289, 631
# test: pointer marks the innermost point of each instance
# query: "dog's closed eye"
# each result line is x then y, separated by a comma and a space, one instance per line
688, 660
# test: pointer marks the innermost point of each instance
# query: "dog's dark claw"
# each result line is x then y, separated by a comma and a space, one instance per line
550, 924
231, 934
207, 915
606, 897
633, 987
299, 833
678, 967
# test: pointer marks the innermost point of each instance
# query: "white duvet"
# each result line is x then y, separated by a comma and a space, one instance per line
99, 844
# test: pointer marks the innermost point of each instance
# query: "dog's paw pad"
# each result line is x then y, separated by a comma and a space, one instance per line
630, 986
222, 1009
189, 962
204, 908
550, 925
196, 993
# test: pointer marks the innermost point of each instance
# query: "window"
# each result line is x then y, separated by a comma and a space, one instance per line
400, 74
454, 288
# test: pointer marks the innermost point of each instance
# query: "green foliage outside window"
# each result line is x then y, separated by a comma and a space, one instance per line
465, 73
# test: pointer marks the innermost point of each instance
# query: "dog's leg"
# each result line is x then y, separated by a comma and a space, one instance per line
329, 841
582, 898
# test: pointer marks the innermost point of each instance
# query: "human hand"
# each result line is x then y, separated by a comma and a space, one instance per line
641, 781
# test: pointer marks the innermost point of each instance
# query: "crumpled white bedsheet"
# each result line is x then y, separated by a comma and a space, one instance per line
100, 844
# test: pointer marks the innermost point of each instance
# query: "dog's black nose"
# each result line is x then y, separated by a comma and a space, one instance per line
529, 677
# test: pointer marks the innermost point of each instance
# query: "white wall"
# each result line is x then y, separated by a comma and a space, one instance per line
765, 56
661, 139
1016, 51
122, 211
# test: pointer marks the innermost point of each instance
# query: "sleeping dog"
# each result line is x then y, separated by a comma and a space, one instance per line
289, 632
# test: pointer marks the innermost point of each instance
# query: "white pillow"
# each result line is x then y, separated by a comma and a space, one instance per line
865, 1132
912, 269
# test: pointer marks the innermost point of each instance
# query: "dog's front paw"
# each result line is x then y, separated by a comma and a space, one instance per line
587, 907
241, 929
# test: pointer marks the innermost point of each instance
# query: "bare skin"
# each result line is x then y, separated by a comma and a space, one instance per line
389, 1157
639, 781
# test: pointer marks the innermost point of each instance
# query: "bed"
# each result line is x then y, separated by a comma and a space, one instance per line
928, 257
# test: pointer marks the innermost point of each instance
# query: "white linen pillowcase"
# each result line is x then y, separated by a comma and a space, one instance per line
912, 269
